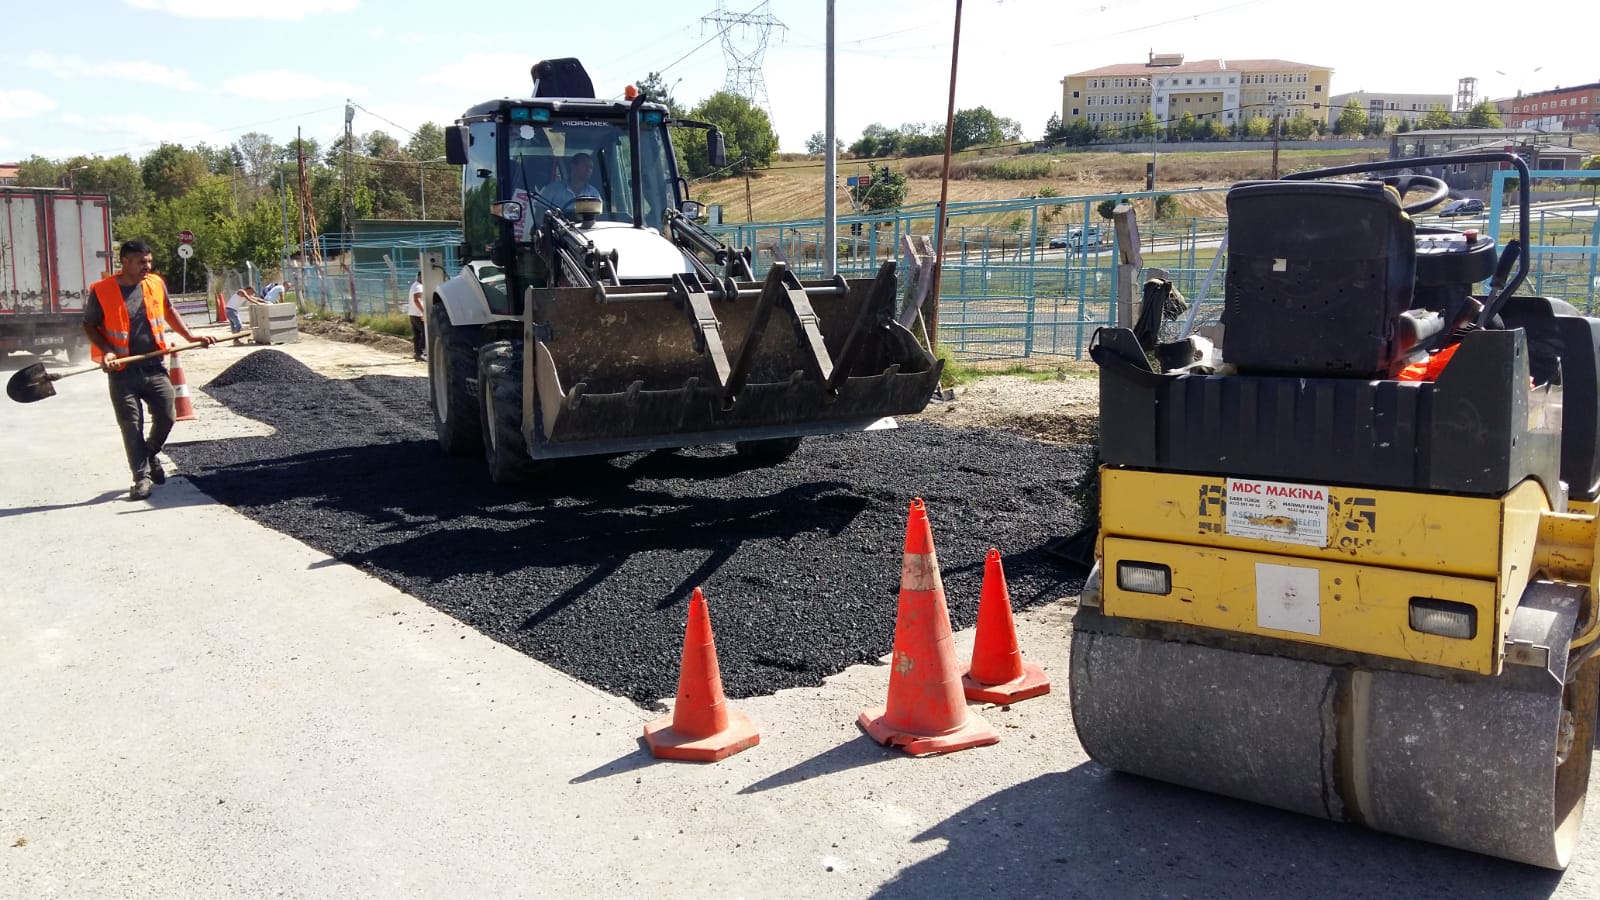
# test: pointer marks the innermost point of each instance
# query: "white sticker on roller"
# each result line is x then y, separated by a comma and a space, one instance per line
1273, 511
1288, 598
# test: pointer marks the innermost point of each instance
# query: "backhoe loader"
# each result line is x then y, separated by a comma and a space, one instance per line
593, 316
1347, 565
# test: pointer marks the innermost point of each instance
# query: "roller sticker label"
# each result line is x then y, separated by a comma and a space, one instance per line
1275, 511
1288, 598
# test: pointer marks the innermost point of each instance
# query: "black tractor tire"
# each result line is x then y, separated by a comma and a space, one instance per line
770, 451
500, 413
452, 364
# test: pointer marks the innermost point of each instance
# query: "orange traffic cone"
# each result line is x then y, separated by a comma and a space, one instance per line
998, 673
182, 404
701, 728
222, 308
926, 712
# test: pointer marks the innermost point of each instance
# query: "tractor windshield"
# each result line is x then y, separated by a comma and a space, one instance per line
557, 162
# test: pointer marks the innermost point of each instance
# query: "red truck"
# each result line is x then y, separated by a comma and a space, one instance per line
54, 245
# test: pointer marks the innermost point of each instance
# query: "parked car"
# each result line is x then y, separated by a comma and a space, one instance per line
1075, 237
1468, 207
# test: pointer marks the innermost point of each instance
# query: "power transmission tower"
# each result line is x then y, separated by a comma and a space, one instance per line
744, 45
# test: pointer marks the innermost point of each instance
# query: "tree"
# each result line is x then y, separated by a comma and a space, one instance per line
1438, 117
1052, 128
1257, 127
170, 171
258, 155
746, 131
1148, 126
1484, 115
886, 191
921, 140
980, 127
1184, 130
1403, 127
1352, 119
1301, 128
654, 88
817, 144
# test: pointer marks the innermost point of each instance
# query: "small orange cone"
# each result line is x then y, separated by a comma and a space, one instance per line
926, 712
182, 404
222, 308
701, 728
998, 673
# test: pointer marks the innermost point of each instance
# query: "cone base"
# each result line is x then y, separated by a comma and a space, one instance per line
191, 417
1031, 683
975, 732
665, 743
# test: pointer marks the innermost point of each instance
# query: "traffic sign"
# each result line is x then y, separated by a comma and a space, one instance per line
865, 181
851, 181
185, 251
186, 236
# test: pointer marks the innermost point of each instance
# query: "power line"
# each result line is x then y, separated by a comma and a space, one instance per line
381, 118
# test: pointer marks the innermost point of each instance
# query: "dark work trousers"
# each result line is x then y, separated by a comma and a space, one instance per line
417, 338
149, 385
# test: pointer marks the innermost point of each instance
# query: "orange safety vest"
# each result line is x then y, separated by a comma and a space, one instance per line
115, 324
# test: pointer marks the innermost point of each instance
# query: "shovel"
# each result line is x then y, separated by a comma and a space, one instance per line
33, 383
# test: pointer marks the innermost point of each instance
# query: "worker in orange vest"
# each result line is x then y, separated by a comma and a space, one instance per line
129, 314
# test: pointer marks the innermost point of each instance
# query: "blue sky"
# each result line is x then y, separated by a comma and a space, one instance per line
112, 76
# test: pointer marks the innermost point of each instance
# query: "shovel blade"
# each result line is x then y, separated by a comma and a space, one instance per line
30, 384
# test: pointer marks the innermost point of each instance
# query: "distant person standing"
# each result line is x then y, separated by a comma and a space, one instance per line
418, 336
129, 314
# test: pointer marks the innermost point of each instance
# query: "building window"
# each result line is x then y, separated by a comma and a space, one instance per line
1317, 89
1074, 95
1074, 110
1188, 81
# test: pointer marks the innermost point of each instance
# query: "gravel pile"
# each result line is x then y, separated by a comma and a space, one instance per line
590, 571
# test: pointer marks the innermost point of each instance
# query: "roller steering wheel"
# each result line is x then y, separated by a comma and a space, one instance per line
1405, 184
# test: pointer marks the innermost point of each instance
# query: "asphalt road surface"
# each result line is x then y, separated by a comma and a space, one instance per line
193, 704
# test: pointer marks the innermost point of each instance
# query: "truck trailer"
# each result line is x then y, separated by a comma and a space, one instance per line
54, 245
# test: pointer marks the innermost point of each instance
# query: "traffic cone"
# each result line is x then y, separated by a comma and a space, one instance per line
222, 308
998, 673
926, 712
182, 405
701, 728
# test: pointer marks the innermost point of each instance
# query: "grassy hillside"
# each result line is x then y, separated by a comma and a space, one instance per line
793, 189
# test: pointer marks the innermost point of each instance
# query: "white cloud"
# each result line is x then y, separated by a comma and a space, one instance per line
291, 10
139, 70
281, 84
22, 103
139, 130
484, 75
381, 33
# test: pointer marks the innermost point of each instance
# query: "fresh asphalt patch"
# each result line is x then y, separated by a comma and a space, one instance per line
589, 568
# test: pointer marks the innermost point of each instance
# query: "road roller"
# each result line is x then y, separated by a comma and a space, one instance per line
1345, 563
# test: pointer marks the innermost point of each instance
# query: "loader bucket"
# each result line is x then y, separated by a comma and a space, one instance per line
648, 367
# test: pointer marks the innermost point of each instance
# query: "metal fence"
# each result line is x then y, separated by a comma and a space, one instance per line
364, 277
1029, 280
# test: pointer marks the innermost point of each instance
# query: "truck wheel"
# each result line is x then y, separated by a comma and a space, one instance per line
452, 363
500, 412
770, 451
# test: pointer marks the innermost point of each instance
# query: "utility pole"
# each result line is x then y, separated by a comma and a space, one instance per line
749, 210
830, 175
283, 194
944, 191
1278, 108
349, 202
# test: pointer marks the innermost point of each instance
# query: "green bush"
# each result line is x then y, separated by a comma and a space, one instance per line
1166, 206
387, 323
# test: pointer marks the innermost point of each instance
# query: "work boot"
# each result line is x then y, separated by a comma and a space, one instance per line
158, 472
140, 490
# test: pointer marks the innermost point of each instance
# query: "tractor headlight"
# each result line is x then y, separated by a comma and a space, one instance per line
1144, 577
1445, 618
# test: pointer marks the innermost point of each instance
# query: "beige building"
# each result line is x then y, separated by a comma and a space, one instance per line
1406, 107
1229, 91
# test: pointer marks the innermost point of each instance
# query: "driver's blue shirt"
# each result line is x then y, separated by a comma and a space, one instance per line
559, 195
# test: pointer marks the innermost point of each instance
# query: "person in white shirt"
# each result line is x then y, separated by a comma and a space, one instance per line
563, 194
418, 338
274, 293
241, 298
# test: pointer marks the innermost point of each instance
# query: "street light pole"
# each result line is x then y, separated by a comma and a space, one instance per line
422, 188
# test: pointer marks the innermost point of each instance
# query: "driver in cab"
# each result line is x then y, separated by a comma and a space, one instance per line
561, 194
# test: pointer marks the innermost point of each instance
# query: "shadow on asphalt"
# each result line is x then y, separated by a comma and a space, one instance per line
103, 497
622, 765
1091, 832
863, 751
